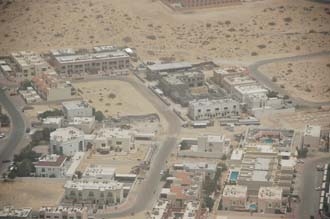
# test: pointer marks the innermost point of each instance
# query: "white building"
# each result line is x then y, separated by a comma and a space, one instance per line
209, 146
74, 164
78, 108
231, 81
86, 124
207, 109
220, 74
9, 212
30, 95
312, 134
96, 191
114, 140
234, 197
29, 64
100, 172
51, 166
67, 141
62, 212
242, 91
270, 199
52, 122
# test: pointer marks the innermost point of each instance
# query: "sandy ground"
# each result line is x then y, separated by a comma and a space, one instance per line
33, 193
308, 79
127, 100
263, 28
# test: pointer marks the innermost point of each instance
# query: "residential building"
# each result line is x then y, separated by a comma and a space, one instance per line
51, 166
199, 167
230, 82
160, 210
94, 191
209, 146
312, 134
189, 4
29, 64
77, 108
100, 172
62, 212
9, 212
270, 200
114, 140
86, 124
30, 95
52, 122
110, 62
205, 109
154, 71
234, 197
74, 163
220, 74
242, 91
67, 141
50, 88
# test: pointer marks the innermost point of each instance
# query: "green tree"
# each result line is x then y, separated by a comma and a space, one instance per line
99, 116
25, 168
25, 84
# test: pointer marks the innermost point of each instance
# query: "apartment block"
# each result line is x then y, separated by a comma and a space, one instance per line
100, 172
234, 197
9, 212
270, 199
220, 74
205, 109
86, 124
242, 91
69, 62
94, 191
29, 64
62, 212
155, 71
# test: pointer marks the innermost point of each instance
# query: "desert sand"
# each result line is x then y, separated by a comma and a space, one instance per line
308, 79
263, 29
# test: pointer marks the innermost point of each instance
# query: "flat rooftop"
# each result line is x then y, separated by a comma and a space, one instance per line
274, 193
169, 66
91, 57
238, 191
93, 184
248, 89
207, 102
312, 130
72, 105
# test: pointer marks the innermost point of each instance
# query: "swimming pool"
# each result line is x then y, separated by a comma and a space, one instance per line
233, 176
268, 141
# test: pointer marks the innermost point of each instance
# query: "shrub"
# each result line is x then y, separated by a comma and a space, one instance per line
274, 79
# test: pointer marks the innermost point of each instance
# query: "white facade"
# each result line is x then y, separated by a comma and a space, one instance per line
52, 122
270, 199
62, 212
51, 166
100, 172
67, 141
242, 91
73, 109
86, 124
207, 109
114, 140
234, 197
9, 212
94, 191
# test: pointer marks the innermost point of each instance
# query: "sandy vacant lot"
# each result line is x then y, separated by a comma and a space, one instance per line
308, 79
33, 193
127, 100
263, 28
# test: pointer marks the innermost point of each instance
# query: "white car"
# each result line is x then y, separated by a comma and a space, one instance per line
2, 135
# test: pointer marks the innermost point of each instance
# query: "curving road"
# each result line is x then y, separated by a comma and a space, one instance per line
17, 129
254, 70
141, 197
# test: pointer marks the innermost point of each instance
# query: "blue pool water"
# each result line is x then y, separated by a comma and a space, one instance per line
233, 176
268, 141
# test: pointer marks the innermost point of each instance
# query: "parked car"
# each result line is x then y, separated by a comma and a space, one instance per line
2, 135
6, 161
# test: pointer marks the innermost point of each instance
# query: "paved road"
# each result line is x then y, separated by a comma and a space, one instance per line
17, 130
144, 192
311, 179
254, 70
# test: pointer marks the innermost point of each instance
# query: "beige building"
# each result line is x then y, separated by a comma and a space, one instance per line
220, 74
9, 212
51, 166
234, 197
94, 191
29, 64
183, 4
114, 140
312, 134
270, 199
50, 88
62, 212
98, 61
